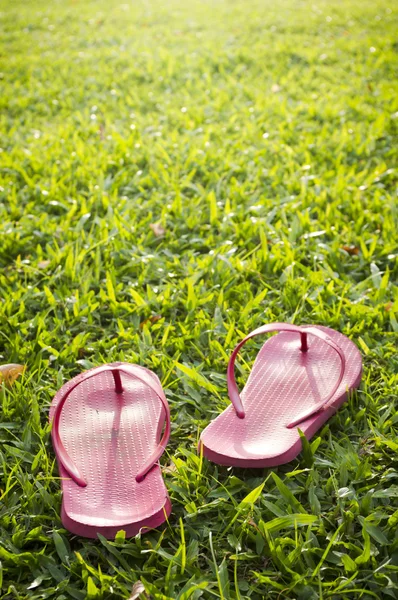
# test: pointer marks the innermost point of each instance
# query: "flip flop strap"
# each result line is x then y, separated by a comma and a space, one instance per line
135, 372
233, 391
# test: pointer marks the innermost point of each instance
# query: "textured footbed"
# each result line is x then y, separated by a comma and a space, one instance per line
283, 383
109, 437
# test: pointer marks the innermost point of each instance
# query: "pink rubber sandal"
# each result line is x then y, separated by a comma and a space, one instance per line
107, 438
297, 382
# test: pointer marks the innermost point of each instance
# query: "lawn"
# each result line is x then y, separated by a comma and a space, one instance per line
173, 175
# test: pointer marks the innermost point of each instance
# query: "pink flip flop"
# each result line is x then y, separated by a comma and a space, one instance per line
107, 438
301, 376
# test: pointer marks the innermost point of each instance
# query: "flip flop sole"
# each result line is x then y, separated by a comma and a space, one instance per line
131, 529
109, 436
283, 383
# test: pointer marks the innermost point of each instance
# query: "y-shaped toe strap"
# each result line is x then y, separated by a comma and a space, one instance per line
233, 391
135, 372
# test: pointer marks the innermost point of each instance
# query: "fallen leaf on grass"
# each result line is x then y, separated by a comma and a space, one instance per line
151, 319
388, 306
353, 250
9, 373
171, 468
138, 589
101, 131
43, 264
157, 229
253, 524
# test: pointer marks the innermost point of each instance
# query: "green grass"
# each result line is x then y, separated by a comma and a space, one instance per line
261, 136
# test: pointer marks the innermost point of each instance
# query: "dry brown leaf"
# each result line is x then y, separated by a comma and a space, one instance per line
388, 306
101, 131
43, 264
9, 373
157, 229
353, 250
171, 468
151, 319
138, 589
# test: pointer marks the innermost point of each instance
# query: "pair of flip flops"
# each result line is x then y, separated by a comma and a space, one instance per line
111, 425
